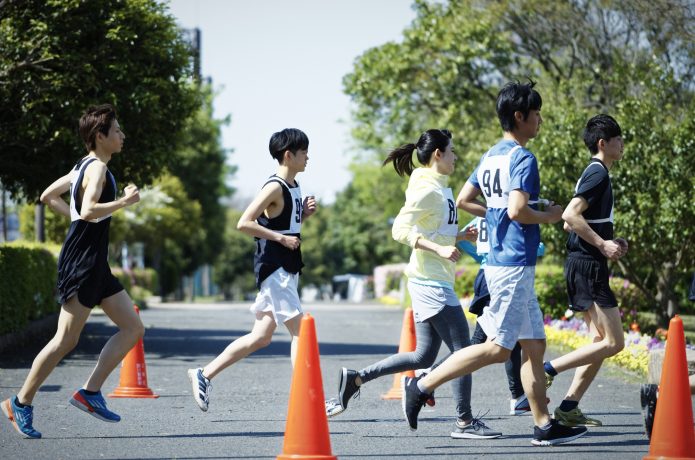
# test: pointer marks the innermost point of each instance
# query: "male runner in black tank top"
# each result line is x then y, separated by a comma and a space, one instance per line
84, 276
589, 218
274, 219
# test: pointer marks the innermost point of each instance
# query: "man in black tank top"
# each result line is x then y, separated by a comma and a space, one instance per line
589, 219
84, 277
274, 219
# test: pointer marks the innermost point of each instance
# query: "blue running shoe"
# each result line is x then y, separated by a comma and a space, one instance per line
94, 405
21, 418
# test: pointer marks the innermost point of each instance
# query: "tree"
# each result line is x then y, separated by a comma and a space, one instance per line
354, 234
234, 266
168, 222
59, 56
635, 60
200, 163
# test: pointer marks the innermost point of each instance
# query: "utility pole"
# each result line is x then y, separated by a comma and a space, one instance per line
39, 219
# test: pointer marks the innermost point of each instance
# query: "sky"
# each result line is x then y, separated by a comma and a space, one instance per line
279, 64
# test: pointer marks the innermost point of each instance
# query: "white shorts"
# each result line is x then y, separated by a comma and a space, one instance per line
514, 313
279, 295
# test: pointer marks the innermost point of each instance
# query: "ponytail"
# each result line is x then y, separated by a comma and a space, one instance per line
402, 159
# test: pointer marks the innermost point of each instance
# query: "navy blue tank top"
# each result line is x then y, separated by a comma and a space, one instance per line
270, 255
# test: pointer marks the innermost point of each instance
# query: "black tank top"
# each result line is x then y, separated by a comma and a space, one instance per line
84, 255
271, 255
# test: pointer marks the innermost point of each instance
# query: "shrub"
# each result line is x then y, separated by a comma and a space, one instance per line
28, 275
551, 290
465, 278
140, 283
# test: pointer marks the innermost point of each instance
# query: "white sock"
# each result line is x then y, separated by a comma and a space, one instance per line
421, 387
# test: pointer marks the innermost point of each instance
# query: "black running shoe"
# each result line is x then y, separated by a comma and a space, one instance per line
556, 434
648, 395
412, 400
348, 386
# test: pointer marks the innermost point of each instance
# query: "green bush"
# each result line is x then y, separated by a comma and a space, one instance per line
465, 277
28, 275
551, 290
140, 284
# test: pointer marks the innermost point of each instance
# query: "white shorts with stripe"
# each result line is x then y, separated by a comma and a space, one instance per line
279, 295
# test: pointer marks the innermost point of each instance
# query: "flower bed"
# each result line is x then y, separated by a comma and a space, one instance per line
572, 333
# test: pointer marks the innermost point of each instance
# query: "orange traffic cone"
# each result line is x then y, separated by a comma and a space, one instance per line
306, 432
672, 433
408, 343
133, 382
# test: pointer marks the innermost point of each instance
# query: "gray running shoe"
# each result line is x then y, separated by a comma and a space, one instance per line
477, 429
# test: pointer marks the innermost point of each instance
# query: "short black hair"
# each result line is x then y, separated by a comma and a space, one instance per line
599, 127
516, 97
291, 139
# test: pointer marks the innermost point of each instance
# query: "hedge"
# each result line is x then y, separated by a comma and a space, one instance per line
552, 292
28, 275
140, 283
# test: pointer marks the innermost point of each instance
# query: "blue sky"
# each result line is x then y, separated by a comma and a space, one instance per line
279, 64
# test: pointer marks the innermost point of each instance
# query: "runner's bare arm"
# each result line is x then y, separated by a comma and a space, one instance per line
91, 208
52, 196
269, 197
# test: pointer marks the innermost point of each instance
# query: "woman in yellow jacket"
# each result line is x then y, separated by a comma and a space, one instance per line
428, 222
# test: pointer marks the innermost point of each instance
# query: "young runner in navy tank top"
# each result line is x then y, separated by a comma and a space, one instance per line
274, 219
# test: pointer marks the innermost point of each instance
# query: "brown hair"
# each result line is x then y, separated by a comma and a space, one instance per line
96, 119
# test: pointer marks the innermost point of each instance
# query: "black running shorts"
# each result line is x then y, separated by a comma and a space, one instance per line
587, 284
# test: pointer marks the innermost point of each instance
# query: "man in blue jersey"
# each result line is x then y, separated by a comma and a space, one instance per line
589, 218
518, 403
507, 177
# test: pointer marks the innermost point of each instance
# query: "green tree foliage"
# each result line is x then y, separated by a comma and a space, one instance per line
199, 162
634, 60
168, 222
59, 56
234, 267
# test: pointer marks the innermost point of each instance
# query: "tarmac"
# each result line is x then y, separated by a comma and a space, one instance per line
248, 402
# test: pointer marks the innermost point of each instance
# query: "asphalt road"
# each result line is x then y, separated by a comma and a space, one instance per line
248, 405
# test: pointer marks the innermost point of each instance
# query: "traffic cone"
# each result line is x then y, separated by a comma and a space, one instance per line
408, 344
133, 383
672, 433
306, 431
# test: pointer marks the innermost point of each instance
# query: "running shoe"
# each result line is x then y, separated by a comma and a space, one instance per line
575, 417
412, 401
477, 429
200, 388
333, 407
548, 380
556, 434
421, 373
348, 387
520, 405
21, 418
94, 405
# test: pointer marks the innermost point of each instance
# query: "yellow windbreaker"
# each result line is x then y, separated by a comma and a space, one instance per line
430, 213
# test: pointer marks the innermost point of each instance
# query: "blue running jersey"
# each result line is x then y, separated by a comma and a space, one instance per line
505, 167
